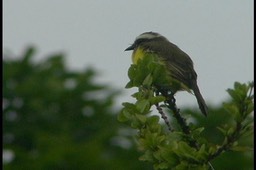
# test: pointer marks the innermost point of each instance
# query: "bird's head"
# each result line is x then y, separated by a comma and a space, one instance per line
145, 37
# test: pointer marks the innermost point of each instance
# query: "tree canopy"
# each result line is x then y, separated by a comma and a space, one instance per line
55, 118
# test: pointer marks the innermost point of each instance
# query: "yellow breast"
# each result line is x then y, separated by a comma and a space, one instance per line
137, 54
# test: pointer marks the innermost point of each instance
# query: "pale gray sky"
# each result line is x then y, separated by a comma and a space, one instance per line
218, 36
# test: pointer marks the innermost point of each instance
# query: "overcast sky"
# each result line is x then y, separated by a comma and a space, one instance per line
217, 34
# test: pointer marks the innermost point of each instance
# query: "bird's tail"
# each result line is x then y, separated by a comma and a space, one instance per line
200, 100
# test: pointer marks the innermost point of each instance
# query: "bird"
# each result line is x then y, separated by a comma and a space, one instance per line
177, 62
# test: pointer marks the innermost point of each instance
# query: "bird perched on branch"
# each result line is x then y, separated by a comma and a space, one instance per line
177, 62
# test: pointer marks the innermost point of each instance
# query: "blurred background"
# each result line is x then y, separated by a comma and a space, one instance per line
65, 69
218, 36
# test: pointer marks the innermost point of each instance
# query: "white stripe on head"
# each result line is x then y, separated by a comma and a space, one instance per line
148, 35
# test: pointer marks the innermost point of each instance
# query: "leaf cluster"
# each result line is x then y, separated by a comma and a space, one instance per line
151, 71
179, 149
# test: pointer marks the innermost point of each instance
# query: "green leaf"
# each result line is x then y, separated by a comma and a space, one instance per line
132, 71
169, 156
148, 80
185, 151
247, 129
153, 120
233, 110
250, 108
123, 116
136, 95
147, 156
136, 124
153, 140
234, 94
129, 85
241, 148
156, 99
141, 118
198, 131
212, 149
223, 131
143, 106
161, 165
230, 131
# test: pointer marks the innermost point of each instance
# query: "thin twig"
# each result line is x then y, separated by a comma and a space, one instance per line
164, 117
171, 104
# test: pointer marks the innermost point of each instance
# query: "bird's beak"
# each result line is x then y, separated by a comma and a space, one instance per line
130, 48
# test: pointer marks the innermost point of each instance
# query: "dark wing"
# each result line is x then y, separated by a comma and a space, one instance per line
178, 62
